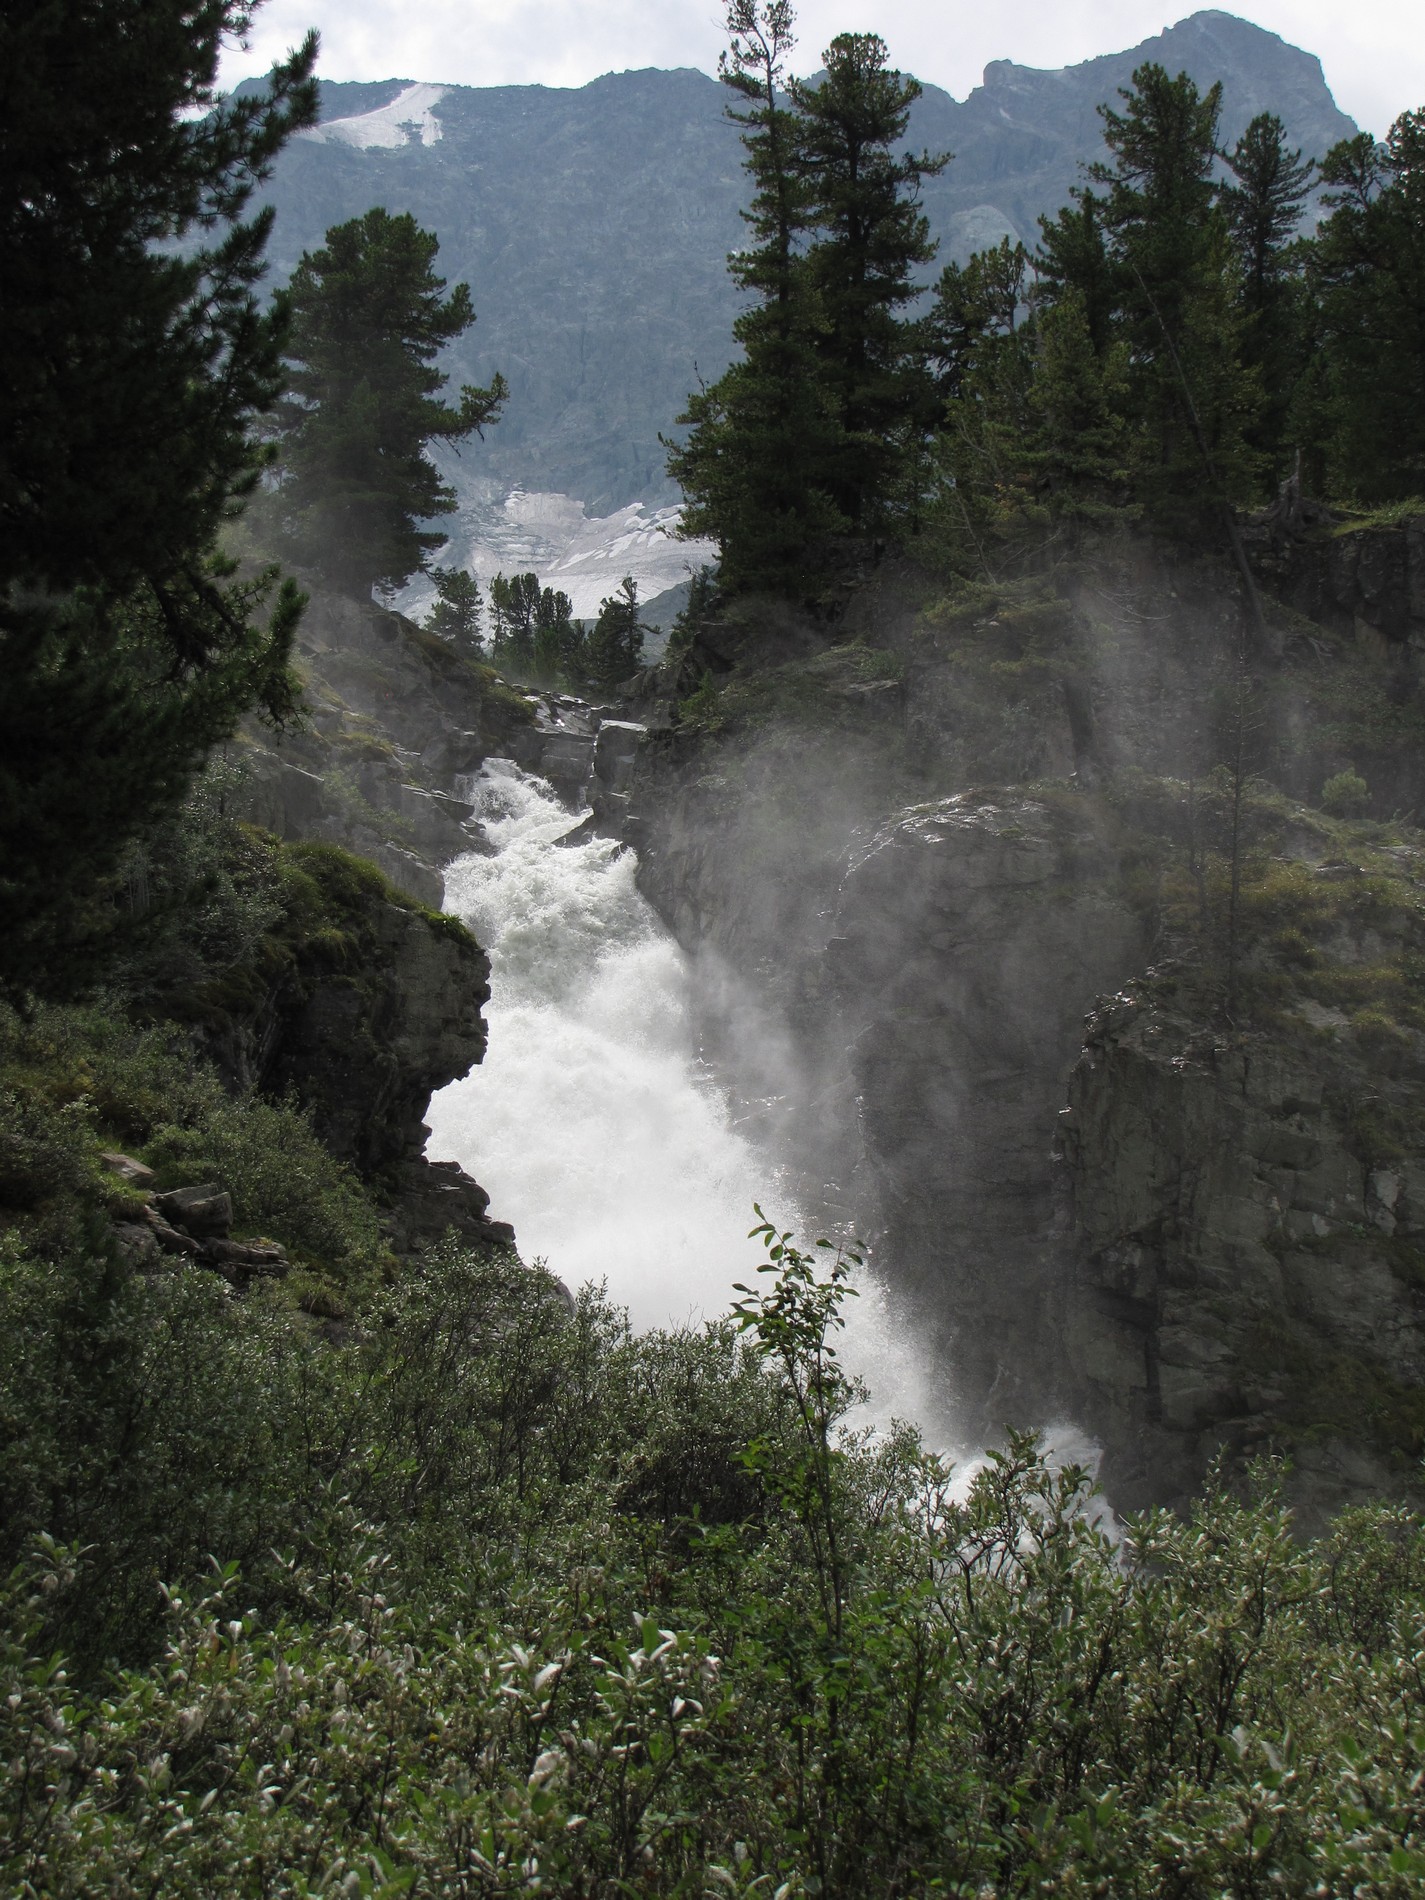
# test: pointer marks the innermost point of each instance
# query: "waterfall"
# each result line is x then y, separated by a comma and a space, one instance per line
591, 1122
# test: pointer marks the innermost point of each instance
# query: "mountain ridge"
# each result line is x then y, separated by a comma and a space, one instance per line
593, 223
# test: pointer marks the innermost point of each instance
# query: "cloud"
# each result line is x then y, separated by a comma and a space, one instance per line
1374, 55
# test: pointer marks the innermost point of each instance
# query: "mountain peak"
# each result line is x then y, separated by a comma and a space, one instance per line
593, 223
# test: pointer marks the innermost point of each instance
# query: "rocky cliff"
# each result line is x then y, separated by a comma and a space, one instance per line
363, 999
935, 833
395, 717
1248, 1272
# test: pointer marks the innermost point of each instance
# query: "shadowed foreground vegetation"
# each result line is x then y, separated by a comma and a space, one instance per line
480, 1594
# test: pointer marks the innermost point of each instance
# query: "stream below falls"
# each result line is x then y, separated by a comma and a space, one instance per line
592, 1123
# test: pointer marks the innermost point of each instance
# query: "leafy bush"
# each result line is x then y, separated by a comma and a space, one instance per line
76, 1081
549, 1608
1346, 795
282, 1180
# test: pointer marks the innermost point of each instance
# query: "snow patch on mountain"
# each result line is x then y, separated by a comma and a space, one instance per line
407, 120
497, 530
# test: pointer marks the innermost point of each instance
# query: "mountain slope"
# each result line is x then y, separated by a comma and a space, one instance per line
593, 224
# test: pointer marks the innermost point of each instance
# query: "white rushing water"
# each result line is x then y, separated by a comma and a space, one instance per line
590, 1122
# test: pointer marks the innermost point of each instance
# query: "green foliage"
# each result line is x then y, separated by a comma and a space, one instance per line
820, 427
457, 612
696, 610
870, 238
139, 361
823, 698
1364, 409
77, 1082
1264, 208
135, 359
1145, 363
514, 604
559, 645
614, 649
368, 319
101, 733
526, 1599
1155, 260
1345, 795
534, 634
197, 894
751, 466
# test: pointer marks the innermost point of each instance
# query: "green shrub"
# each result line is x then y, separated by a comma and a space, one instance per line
533, 1606
1346, 795
282, 1180
76, 1081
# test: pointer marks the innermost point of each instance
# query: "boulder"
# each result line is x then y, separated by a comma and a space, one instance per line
206, 1212
137, 1243
241, 1259
127, 1169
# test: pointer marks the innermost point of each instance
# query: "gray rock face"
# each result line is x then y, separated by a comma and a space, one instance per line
1241, 1271
368, 1052
593, 224
1228, 1250
1370, 585
396, 718
205, 1212
971, 939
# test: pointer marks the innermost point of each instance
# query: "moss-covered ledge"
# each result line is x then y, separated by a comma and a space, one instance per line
358, 1001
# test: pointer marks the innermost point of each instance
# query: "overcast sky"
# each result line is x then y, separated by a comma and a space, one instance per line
1373, 51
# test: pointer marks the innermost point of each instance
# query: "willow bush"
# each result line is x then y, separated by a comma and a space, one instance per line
482, 1594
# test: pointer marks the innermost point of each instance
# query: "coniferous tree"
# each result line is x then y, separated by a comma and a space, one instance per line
1078, 436
870, 239
557, 640
1368, 265
514, 604
979, 345
1178, 296
823, 424
976, 314
368, 319
1264, 208
136, 363
615, 646
753, 467
457, 613
1152, 265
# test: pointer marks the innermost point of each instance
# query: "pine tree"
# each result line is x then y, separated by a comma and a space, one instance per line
871, 238
136, 364
1152, 265
1264, 207
1073, 261
1264, 210
824, 424
1078, 429
1368, 265
615, 646
513, 606
457, 613
1179, 296
753, 467
980, 352
368, 319
557, 641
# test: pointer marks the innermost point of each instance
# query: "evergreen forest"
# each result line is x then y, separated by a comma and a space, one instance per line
344, 1552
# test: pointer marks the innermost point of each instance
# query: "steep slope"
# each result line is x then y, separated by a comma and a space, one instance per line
593, 224
935, 839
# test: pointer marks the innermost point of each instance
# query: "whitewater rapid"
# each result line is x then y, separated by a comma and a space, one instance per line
591, 1123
